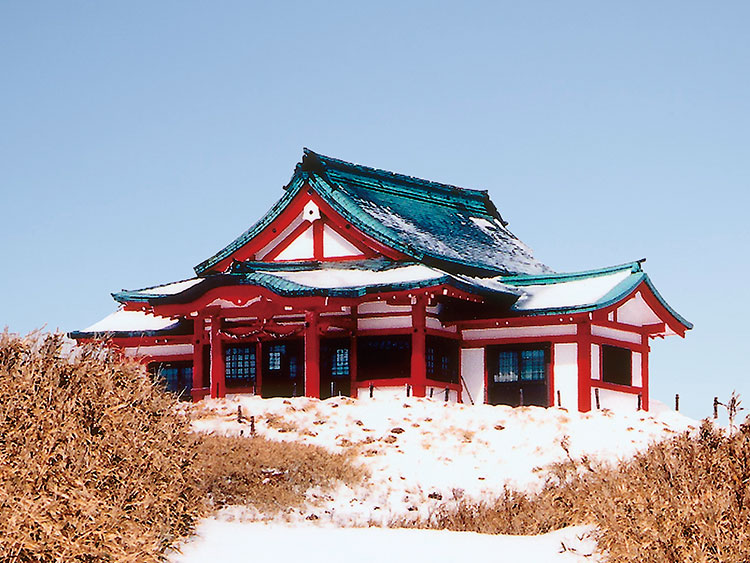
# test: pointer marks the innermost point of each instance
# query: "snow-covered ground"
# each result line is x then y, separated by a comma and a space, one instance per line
419, 454
222, 540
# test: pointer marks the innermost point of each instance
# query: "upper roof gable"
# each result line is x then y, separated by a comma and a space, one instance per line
450, 227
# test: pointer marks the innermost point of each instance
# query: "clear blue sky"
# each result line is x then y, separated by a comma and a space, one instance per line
138, 138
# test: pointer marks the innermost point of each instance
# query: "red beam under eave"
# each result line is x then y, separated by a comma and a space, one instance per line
246, 297
539, 320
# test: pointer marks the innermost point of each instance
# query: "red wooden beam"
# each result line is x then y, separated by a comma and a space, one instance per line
318, 239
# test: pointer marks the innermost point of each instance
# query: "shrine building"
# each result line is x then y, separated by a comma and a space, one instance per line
367, 283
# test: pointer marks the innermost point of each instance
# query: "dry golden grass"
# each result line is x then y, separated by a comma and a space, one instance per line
97, 464
684, 500
271, 476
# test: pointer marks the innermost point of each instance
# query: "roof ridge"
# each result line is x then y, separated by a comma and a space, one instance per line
451, 189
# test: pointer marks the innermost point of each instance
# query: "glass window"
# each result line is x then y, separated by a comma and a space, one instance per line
274, 356
507, 367
430, 360
340, 367
533, 365
240, 364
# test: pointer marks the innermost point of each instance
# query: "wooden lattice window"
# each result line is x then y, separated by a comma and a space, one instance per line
240, 366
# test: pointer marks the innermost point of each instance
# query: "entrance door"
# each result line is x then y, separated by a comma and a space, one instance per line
335, 369
283, 369
518, 375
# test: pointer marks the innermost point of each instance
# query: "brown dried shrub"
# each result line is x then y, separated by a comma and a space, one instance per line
97, 463
271, 476
686, 499
93, 464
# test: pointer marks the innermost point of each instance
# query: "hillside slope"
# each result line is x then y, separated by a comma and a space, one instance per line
420, 455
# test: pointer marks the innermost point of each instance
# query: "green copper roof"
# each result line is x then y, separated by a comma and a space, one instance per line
453, 228
372, 276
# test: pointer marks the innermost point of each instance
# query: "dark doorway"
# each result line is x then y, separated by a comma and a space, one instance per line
283, 369
518, 375
335, 368
383, 357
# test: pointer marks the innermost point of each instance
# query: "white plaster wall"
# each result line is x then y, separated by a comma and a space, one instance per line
336, 245
382, 307
615, 334
472, 375
434, 323
566, 375
595, 363
616, 401
164, 350
383, 323
636, 311
518, 331
301, 248
637, 376
280, 237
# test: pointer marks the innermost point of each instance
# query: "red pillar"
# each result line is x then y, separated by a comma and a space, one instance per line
199, 340
584, 366
312, 355
419, 347
259, 368
644, 373
218, 387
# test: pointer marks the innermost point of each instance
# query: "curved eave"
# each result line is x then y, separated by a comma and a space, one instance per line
291, 190
288, 288
81, 335
617, 294
553, 278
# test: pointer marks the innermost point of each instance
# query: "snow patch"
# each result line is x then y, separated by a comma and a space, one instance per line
336, 278
569, 294
443, 452
130, 321
220, 539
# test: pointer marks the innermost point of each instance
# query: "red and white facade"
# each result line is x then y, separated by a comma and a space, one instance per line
317, 301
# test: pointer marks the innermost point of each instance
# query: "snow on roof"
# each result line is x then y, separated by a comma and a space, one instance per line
130, 321
338, 278
172, 288
453, 227
565, 294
